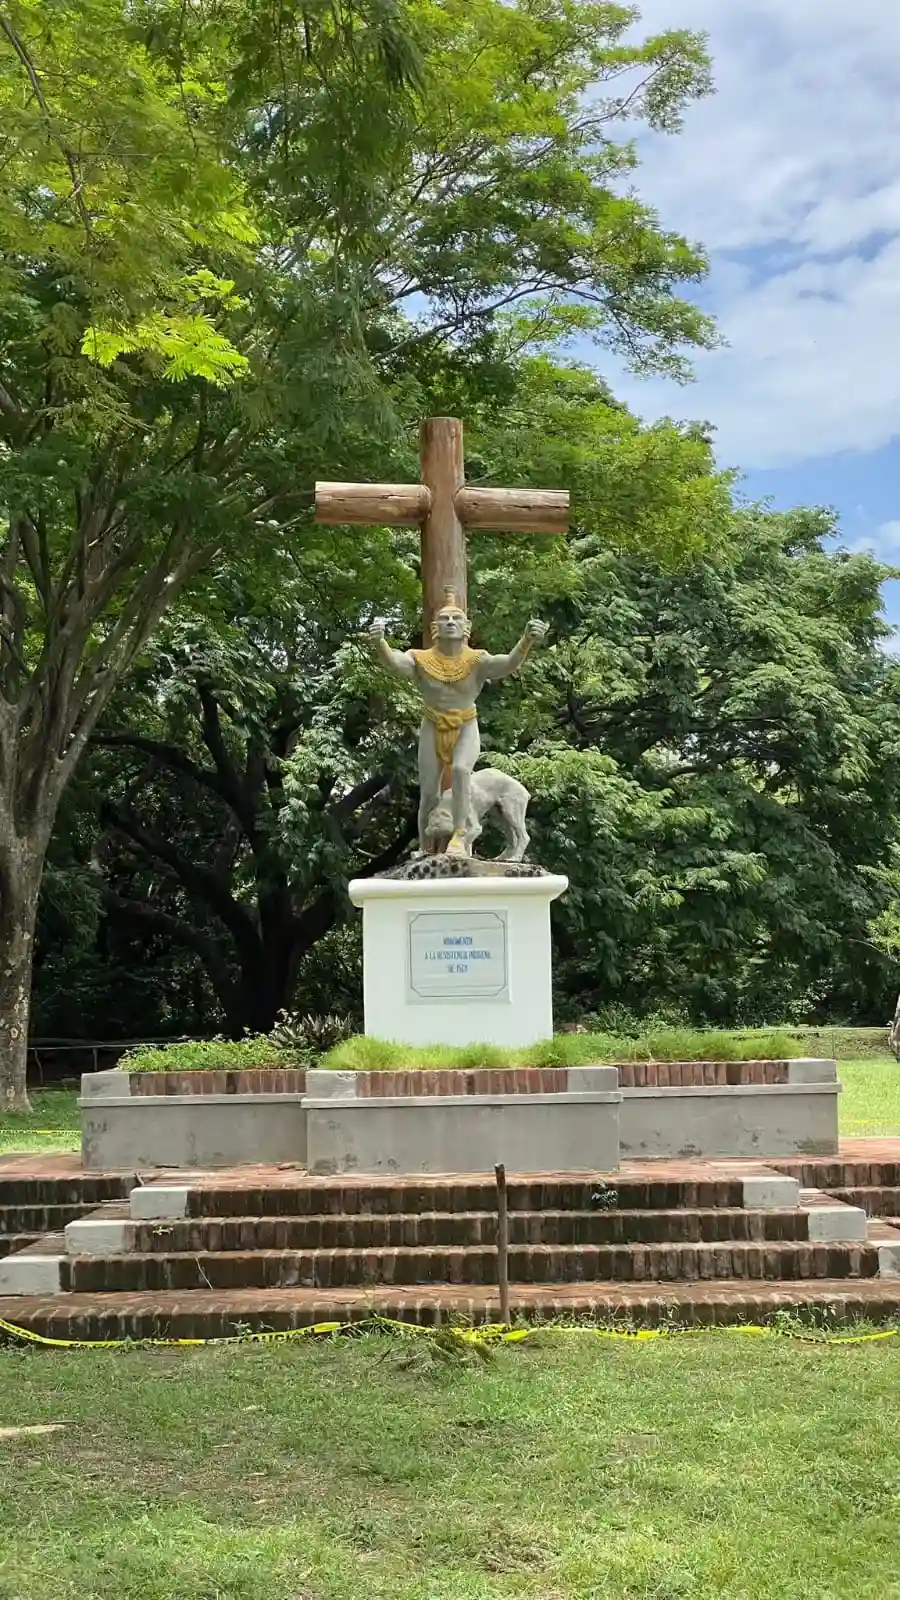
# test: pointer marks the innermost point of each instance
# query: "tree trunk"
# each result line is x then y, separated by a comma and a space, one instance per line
20, 882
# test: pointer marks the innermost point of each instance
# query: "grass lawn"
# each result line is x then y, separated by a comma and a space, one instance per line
53, 1124
870, 1103
573, 1469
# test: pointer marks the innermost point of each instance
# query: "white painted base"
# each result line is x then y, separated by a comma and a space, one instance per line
457, 960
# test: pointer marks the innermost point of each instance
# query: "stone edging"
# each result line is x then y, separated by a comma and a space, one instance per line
324, 1083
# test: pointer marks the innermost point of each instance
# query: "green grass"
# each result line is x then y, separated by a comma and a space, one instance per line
568, 1049
52, 1124
361, 1054
870, 1103
211, 1055
576, 1469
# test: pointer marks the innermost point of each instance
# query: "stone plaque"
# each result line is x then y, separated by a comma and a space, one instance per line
457, 955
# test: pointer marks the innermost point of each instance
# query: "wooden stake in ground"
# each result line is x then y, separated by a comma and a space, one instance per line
502, 1243
442, 507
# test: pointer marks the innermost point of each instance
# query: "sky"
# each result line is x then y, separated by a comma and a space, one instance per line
789, 176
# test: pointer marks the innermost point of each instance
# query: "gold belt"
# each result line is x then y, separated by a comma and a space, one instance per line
446, 726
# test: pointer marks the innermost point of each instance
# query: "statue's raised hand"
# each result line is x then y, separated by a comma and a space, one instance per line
536, 629
375, 633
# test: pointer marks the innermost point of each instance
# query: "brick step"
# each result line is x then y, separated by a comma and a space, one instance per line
342, 1197
875, 1202
840, 1172
10, 1243
73, 1190
213, 1314
40, 1219
465, 1228
262, 1269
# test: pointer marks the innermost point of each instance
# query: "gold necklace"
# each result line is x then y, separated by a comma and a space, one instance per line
447, 669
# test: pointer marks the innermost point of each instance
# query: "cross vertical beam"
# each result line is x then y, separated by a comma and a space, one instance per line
443, 537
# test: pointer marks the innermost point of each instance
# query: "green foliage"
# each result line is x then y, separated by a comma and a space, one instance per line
713, 773
364, 1054
240, 243
708, 740
212, 1055
309, 1037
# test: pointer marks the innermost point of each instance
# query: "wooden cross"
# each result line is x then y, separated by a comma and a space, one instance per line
443, 508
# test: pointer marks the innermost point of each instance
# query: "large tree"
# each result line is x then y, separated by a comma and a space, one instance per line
126, 220
255, 760
726, 734
708, 738
212, 218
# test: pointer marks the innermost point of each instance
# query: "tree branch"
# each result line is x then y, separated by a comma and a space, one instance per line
77, 181
203, 944
168, 754
196, 879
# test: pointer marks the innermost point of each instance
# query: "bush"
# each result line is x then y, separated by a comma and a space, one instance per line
212, 1055
310, 1036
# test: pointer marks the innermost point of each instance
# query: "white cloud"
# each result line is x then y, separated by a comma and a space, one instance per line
884, 541
790, 176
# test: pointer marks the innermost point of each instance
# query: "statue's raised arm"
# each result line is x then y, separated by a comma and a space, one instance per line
400, 662
493, 668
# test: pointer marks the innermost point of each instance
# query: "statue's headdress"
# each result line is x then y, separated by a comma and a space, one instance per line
451, 604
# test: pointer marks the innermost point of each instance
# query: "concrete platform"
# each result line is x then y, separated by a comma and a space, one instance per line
431, 1121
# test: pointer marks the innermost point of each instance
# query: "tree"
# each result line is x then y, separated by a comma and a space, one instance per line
708, 738
124, 211
210, 219
255, 760
746, 697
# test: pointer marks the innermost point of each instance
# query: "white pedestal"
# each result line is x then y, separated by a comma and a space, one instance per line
457, 960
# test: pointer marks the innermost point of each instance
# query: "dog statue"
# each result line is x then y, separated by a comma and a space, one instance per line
494, 794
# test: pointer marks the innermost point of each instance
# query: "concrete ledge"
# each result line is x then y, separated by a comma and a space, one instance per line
159, 1202
771, 1192
112, 1081
733, 1091
99, 1236
547, 887
888, 1261
28, 1273
811, 1069
837, 1224
755, 1120
191, 1130
464, 1133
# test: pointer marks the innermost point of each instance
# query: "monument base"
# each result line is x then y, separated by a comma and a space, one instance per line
458, 960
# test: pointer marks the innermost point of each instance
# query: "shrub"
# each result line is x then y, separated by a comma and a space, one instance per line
310, 1036
211, 1055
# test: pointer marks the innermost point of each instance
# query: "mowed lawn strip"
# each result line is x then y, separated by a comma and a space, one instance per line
572, 1468
870, 1103
52, 1124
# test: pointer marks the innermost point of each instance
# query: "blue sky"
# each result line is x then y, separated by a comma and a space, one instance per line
790, 177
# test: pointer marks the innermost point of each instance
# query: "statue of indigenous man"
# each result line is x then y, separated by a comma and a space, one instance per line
450, 676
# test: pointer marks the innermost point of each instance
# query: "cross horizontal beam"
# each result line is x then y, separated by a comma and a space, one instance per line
444, 508
406, 505
398, 505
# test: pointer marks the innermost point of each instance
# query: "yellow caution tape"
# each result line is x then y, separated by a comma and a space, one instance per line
489, 1332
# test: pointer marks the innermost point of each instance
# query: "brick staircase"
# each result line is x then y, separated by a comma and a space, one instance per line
197, 1255
870, 1180
41, 1195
